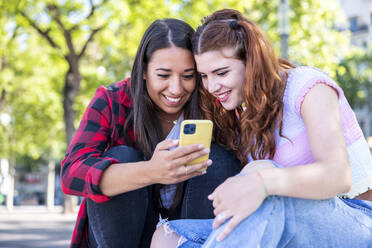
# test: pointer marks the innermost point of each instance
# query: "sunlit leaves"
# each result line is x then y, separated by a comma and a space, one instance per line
354, 74
34, 73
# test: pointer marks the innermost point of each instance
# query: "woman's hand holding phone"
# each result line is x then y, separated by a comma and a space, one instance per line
169, 167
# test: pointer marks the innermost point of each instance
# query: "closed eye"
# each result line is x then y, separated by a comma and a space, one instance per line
191, 76
163, 75
222, 73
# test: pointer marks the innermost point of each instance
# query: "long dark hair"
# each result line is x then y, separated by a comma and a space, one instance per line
160, 34
254, 132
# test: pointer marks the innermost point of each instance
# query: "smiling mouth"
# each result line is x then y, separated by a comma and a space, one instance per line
223, 96
173, 101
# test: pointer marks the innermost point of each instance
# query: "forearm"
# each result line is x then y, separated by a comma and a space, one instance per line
124, 177
312, 181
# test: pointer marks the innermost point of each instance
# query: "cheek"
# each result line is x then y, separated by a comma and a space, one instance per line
149, 87
153, 85
189, 86
241, 90
242, 83
205, 84
237, 81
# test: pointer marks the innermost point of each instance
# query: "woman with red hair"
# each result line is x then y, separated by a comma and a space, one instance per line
308, 169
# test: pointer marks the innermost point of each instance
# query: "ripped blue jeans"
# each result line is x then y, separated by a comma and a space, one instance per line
288, 222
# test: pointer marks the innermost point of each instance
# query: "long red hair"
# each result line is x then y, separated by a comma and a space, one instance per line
249, 129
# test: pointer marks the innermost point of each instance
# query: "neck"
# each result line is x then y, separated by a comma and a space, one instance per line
167, 122
168, 118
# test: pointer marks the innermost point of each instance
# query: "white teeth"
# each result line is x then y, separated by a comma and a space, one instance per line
223, 95
173, 99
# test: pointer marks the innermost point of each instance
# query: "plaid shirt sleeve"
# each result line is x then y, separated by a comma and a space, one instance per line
83, 165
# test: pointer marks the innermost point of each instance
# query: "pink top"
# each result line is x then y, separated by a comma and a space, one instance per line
298, 152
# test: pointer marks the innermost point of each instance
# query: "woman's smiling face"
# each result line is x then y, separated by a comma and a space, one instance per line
170, 79
223, 76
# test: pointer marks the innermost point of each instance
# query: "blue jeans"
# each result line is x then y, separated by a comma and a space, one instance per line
291, 223
129, 219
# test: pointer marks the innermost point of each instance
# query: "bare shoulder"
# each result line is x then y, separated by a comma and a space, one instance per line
320, 96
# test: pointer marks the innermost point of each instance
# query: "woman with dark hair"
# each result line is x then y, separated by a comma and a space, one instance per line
298, 138
124, 159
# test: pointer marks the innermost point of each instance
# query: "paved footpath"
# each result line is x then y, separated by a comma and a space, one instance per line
35, 227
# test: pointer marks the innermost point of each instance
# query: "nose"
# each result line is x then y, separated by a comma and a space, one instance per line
212, 85
175, 86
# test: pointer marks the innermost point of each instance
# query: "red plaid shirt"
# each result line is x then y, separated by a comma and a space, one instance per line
100, 129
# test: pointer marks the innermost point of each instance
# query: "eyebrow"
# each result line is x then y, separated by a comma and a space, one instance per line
163, 69
222, 68
169, 70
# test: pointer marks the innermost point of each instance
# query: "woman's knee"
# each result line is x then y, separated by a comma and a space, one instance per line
124, 154
127, 206
163, 238
225, 163
132, 199
122, 217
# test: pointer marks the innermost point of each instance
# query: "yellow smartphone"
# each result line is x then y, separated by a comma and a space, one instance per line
196, 132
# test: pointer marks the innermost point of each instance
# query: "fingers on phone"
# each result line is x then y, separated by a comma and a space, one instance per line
167, 144
196, 170
188, 157
193, 174
192, 156
200, 168
185, 150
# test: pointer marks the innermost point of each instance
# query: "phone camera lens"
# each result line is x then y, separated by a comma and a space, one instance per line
189, 129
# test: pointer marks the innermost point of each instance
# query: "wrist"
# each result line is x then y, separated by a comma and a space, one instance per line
263, 183
148, 174
271, 180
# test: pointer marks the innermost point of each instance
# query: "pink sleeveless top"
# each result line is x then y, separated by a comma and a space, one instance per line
298, 152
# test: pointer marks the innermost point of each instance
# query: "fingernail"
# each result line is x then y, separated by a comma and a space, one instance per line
204, 172
209, 162
200, 146
206, 150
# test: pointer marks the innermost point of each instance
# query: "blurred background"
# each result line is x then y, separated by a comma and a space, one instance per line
55, 53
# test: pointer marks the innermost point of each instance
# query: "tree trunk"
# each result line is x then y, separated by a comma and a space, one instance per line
10, 195
2, 99
72, 77
70, 91
51, 184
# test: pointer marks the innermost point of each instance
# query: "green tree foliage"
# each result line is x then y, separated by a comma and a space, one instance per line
45, 26
313, 39
354, 75
29, 86
50, 46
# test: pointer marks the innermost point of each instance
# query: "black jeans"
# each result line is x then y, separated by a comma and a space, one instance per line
129, 219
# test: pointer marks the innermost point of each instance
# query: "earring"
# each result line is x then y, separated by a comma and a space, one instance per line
218, 103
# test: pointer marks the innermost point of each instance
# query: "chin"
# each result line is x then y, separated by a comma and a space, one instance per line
228, 106
172, 110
